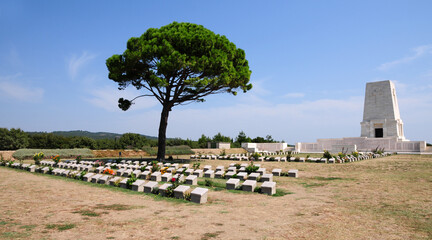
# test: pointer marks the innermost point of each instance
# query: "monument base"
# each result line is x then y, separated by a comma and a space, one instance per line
361, 144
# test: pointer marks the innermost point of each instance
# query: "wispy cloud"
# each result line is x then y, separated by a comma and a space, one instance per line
258, 87
10, 88
294, 95
75, 64
107, 98
418, 52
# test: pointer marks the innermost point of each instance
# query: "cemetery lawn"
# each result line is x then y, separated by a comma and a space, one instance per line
386, 198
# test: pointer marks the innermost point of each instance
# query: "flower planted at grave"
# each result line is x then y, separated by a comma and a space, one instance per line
56, 159
37, 157
164, 170
78, 158
108, 171
170, 190
98, 163
155, 167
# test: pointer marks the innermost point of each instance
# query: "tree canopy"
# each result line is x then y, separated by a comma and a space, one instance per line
179, 63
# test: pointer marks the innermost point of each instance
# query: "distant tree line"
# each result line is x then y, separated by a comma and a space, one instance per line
12, 139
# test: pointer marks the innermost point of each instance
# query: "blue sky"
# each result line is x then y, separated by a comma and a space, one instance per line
310, 62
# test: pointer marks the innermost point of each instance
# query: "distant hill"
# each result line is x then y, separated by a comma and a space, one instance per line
93, 135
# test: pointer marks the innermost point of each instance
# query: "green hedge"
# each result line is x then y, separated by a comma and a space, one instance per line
22, 154
170, 150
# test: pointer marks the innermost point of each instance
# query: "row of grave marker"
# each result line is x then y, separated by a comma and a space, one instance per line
198, 195
338, 159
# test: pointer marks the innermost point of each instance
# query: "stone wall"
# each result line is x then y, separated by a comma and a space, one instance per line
363, 144
264, 147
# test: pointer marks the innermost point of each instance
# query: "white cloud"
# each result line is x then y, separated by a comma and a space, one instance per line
418, 52
258, 87
294, 95
107, 98
75, 64
11, 88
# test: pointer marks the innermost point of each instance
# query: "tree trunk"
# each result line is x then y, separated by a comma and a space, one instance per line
162, 133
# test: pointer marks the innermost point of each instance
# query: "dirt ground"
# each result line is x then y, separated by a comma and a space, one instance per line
387, 198
7, 155
115, 153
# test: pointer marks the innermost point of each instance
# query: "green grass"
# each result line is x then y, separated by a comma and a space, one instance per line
14, 235
117, 207
281, 192
28, 227
207, 236
212, 183
64, 153
88, 213
60, 227
327, 178
311, 185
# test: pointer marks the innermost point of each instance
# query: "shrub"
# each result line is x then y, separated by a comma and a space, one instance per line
195, 166
289, 154
223, 153
209, 183
251, 168
378, 150
81, 175
341, 155
237, 165
187, 196
155, 190
256, 156
117, 182
2, 161
78, 158
22, 154
327, 154
130, 181
355, 154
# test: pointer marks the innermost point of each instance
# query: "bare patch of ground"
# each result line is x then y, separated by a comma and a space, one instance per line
387, 198
115, 153
7, 155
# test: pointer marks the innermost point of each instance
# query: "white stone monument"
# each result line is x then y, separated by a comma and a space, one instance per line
381, 127
381, 117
